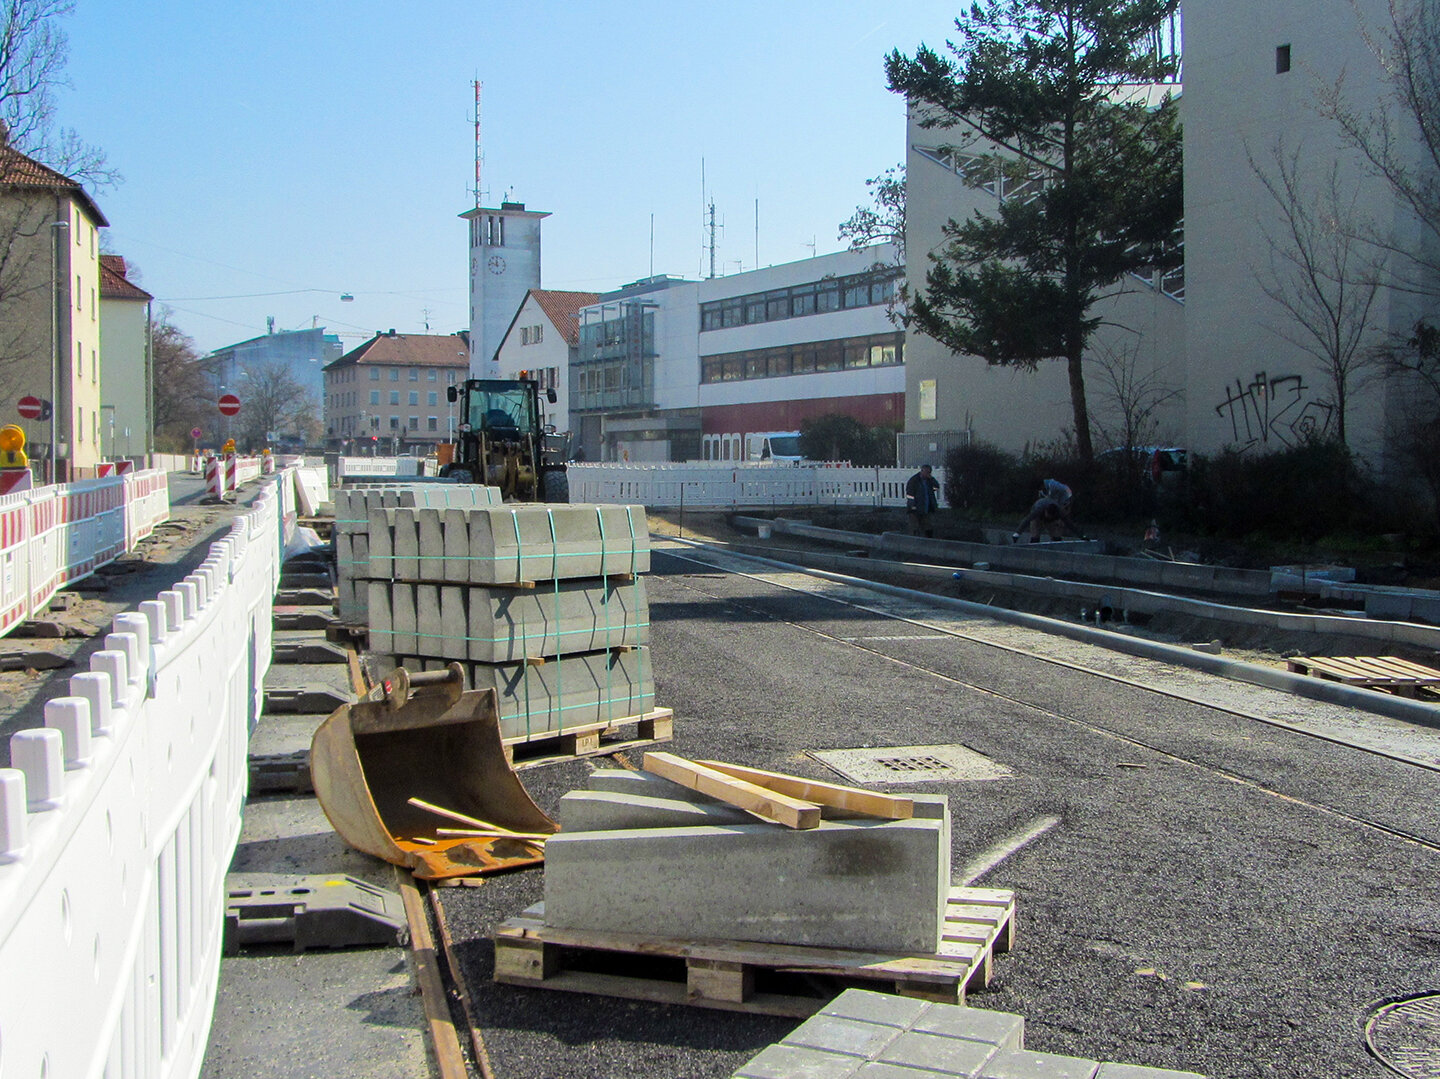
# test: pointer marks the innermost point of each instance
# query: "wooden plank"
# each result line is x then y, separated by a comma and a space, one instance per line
884, 806
768, 804
443, 1039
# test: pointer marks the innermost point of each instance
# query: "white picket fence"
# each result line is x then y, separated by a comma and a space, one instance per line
52, 536
119, 817
715, 484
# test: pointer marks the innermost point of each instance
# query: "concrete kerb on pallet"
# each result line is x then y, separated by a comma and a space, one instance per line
1365, 700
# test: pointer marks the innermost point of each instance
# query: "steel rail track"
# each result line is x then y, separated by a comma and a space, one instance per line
1225, 773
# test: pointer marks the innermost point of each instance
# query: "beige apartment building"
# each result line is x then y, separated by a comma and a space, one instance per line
50, 313
388, 396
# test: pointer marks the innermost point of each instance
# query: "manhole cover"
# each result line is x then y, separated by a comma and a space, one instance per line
892, 765
1405, 1035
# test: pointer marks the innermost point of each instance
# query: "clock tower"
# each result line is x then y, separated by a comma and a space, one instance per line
504, 266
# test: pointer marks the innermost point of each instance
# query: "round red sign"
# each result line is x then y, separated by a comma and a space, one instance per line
229, 404
30, 407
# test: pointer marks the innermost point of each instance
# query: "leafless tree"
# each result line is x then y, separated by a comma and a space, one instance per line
33, 52
1324, 276
1132, 396
273, 401
883, 222
183, 400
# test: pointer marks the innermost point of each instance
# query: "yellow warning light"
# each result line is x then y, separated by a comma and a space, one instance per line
12, 447
229, 446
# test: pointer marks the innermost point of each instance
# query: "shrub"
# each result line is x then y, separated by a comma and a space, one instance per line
838, 437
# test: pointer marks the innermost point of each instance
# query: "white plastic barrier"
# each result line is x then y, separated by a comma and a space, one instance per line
118, 820
383, 466
704, 485
52, 536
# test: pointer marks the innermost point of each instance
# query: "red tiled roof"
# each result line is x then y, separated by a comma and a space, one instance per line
114, 285
409, 350
563, 310
19, 170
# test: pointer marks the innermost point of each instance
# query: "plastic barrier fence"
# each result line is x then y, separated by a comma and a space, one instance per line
119, 818
704, 485
55, 535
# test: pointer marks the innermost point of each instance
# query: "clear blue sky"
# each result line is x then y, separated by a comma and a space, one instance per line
327, 147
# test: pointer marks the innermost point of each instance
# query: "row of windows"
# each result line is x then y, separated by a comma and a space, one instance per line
352, 398
532, 335
350, 374
396, 423
818, 297
877, 350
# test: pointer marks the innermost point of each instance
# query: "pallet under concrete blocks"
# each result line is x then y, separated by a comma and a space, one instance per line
863, 884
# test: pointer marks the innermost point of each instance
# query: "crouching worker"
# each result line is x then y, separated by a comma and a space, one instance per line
1051, 514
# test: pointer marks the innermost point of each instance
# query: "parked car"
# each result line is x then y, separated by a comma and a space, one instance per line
1155, 464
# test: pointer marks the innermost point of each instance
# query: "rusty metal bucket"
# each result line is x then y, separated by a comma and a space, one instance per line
424, 737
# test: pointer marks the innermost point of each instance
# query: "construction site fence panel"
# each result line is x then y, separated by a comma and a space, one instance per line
673, 486
54, 536
120, 815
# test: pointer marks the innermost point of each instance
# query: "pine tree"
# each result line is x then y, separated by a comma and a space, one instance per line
1059, 93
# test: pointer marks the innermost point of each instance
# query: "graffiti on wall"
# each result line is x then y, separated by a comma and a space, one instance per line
1274, 412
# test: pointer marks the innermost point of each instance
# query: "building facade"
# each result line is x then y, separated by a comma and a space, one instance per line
1237, 368
389, 395
251, 368
504, 266
126, 375
685, 370
543, 340
50, 313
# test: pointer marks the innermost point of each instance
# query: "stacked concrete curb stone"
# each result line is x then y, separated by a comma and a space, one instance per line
671, 861
545, 604
871, 1035
353, 504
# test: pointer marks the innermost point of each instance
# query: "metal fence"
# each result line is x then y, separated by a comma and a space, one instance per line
727, 485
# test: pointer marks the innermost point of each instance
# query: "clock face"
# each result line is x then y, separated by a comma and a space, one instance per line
496, 264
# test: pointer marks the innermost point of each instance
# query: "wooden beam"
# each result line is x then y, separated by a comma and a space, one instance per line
769, 804
884, 806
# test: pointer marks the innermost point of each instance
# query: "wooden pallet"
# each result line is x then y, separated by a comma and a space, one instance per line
657, 725
770, 979
1389, 673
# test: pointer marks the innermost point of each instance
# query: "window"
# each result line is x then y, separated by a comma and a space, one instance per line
434, 398
432, 423
430, 375
414, 397
802, 300
394, 423
414, 423
414, 374
754, 309
374, 374
80, 424
452, 377
827, 296
394, 397
374, 397
394, 374
777, 305
857, 292
1282, 59
79, 361
94, 366
93, 313
79, 294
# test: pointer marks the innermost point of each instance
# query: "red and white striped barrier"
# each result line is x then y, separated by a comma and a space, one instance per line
55, 535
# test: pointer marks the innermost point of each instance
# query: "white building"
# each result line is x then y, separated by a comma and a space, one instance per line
1209, 331
677, 370
126, 383
543, 339
504, 266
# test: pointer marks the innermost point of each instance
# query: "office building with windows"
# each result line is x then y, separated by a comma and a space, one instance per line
683, 370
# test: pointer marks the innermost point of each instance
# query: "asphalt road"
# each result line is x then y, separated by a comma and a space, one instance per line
1203, 891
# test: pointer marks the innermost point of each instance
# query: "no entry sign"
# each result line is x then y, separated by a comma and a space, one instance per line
229, 404
30, 407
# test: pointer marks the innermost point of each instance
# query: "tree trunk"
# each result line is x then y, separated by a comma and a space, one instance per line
1074, 365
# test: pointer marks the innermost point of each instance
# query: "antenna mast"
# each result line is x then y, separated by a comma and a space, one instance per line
478, 155
708, 207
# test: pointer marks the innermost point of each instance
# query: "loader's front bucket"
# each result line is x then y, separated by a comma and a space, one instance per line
423, 738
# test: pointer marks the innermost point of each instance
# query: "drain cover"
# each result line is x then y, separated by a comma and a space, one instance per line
892, 765
1405, 1035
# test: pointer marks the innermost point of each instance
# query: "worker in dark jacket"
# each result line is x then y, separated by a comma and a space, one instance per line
1052, 515
922, 498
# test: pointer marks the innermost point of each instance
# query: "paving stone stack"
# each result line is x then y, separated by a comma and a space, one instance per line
640, 854
869, 1035
543, 603
353, 505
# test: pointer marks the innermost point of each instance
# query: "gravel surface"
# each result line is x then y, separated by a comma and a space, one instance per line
1218, 895
168, 555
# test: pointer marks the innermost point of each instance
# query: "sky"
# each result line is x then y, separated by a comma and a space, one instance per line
276, 156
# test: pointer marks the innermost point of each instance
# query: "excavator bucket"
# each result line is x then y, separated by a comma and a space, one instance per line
416, 774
